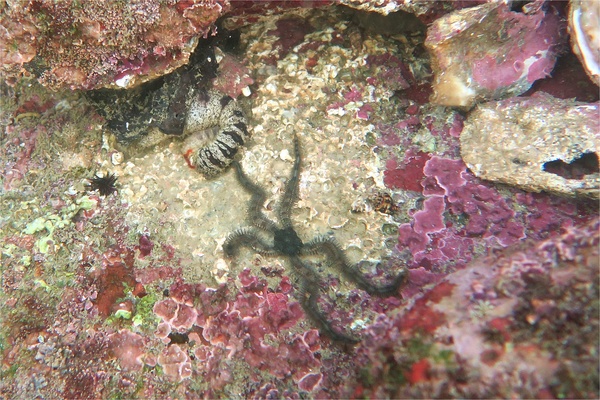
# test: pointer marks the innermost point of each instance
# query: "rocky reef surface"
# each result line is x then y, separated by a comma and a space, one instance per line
127, 293
101, 44
538, 143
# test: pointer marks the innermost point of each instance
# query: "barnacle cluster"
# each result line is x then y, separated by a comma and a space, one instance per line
284, 241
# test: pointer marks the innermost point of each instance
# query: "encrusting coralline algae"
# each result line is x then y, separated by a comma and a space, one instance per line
130, 294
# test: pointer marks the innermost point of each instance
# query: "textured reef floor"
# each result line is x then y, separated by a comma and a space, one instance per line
129, 294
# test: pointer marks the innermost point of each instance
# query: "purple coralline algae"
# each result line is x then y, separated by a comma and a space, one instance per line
450, 190
234, 77
506, 318
489, 52
175, 363
128, 348
21, 140
245, 327
461, 217
106, 297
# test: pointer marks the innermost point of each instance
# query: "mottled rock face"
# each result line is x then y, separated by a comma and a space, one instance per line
584, 28
489, 52
538, 143
96, 44
130, 114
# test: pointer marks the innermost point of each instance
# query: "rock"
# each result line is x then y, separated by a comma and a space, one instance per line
134, 114
537, 143
385, 7
489, 52
98, 44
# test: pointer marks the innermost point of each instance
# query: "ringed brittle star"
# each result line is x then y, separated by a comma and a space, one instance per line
284, 241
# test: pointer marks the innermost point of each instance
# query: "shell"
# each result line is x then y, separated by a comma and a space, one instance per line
584, 28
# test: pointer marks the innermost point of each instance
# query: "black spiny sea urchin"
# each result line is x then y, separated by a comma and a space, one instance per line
105, 184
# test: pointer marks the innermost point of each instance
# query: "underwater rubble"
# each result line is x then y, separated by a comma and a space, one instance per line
584, 31
489, 52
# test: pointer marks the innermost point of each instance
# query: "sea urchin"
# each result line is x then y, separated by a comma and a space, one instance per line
105, 184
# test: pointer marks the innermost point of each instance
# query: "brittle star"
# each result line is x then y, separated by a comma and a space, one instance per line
286, 242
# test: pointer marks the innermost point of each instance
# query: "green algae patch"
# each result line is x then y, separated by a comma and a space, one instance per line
85, 203
51, 222
144, 314
37, 225
123, 314
142, 317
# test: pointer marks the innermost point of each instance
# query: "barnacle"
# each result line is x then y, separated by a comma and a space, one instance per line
105, 184
286, 242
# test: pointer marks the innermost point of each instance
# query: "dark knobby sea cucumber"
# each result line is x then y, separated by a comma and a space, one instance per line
221, 112
176, 105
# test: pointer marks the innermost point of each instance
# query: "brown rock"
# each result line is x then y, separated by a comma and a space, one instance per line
537, 143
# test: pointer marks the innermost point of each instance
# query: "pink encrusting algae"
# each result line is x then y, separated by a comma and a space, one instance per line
103, 296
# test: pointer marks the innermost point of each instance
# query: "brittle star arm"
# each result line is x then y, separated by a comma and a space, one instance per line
290, 192
247, 237
309, 296
255, 214
336, 257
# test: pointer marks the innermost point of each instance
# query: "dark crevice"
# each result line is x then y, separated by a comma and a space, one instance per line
517, 6
585, 165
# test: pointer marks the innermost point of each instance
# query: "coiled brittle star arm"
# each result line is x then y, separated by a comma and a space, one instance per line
336, 258
309, 296
249, 238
